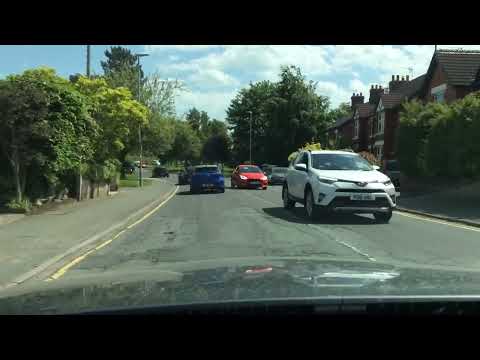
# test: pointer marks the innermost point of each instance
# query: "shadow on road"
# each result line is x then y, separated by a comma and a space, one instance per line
200, 193
297, 215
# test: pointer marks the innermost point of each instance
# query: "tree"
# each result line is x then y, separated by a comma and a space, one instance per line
217, 148
193, 119
43, 122
118, 115
249, 99
158, 136
121, 69
159, 94
186, 145
286, 115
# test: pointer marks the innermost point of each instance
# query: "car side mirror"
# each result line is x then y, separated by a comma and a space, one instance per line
376, 167
301, 167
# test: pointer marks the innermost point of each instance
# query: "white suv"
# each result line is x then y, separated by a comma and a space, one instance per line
338, 181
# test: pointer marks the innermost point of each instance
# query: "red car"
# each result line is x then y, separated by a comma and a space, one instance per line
249, 176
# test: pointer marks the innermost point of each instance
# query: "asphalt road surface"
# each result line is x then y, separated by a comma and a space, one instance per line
246, 223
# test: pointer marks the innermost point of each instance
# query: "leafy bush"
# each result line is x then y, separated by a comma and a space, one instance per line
19, 206
415, 123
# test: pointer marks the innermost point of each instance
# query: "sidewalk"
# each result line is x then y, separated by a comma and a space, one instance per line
36, 239
461, 205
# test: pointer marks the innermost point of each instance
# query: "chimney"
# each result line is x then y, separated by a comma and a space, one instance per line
356, 100
395, 84
375, 93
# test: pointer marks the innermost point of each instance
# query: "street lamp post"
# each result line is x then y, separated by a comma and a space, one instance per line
140, 169
250, 137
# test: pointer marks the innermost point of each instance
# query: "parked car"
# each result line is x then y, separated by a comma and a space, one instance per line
338, 181
185, 176
137, 164
128, 167
277, 175
207, 178
392, 170
160, 171
248, 176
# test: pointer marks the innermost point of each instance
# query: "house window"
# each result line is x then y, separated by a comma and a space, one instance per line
381, 122
438, 93
355, 129
371, 126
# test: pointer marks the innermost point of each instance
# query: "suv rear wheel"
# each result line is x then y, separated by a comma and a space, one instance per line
310, 208
287, 203
383, 218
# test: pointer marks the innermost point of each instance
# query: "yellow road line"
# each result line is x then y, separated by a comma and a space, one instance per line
59, 273
438, 221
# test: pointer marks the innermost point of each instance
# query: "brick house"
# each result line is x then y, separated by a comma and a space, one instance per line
387, 114
361, 116
343, 127
450, 75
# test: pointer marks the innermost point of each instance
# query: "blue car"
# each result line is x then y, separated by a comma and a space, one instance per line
207, 178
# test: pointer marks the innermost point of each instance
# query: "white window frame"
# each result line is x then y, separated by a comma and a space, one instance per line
380, 126
378, 146
380, 123
356, 126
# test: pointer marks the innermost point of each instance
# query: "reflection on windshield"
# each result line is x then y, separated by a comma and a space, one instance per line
206, 169
250, 169
339, 162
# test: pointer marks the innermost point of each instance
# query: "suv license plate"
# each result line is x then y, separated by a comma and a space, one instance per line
255, 182
362, 197
207, 185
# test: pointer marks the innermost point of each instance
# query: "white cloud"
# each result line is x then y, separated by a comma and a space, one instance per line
212, 78
214, 102
335, 93
186, 48
339, 70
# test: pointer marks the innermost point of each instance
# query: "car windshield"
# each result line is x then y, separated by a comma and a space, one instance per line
206, 169
279, 171
163, 174
249, 169
340, 162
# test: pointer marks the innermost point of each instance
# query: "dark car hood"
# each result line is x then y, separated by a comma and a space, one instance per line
235, 279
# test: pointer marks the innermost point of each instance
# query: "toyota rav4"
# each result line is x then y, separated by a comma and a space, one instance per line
338, 181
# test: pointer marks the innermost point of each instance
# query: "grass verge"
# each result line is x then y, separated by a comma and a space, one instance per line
134, 182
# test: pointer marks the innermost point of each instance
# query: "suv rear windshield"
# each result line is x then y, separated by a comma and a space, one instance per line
249, 169
206, 169
340, 162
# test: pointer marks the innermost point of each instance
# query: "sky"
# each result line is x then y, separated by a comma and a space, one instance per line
213, 74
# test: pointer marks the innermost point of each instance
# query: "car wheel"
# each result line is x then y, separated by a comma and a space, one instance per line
383, 218
310, 208
222, 190
265, 188
287, 203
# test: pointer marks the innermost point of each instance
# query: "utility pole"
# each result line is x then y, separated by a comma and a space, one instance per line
88, 61
140, 169
80, 180
250, 137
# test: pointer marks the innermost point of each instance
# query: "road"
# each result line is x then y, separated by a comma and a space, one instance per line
246, 223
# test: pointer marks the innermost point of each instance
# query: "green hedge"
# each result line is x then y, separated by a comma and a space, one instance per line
440, 139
